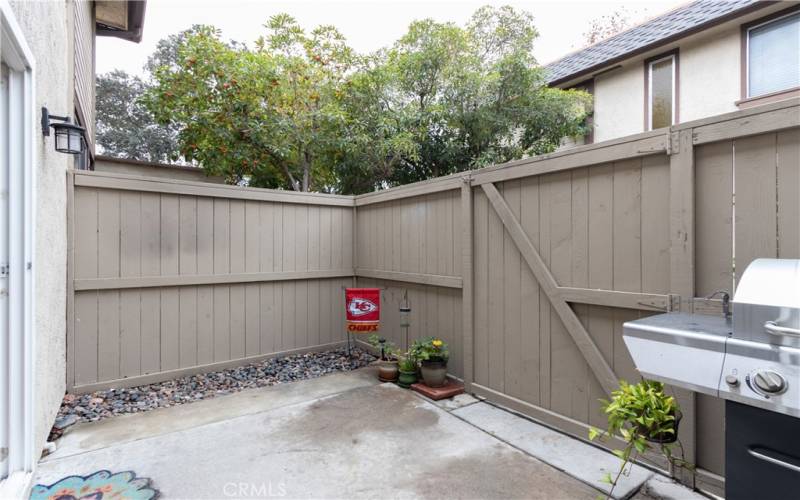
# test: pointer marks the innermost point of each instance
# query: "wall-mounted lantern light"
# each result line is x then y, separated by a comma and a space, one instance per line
69, 136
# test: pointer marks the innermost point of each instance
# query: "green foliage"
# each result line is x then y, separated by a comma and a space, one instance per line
429, 349
125, 128
301, 111
460, 98
640, 414
388, 348
271, 115
644, 407
407, 363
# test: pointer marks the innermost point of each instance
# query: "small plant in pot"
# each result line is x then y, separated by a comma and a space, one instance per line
644, 416
387, 364
432, 355
408, 371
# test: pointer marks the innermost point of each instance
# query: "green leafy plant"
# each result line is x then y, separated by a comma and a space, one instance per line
407, 363
388, 349
430, 349
643, 415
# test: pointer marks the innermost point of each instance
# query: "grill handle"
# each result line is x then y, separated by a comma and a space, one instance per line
774, 458
774, 329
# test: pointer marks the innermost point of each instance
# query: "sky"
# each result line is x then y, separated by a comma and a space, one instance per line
367, 25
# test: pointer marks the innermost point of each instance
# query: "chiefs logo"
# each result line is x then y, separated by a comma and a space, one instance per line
360, 307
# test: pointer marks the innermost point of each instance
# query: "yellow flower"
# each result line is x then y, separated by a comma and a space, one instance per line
437, 343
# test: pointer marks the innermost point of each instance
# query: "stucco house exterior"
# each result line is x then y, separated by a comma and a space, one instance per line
48, 62
705, 58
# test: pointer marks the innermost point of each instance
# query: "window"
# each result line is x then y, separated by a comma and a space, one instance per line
773, 55
661, 92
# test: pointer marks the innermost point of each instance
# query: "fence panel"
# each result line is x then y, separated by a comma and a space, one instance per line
602, 227
411, 248
167, 282
415, 238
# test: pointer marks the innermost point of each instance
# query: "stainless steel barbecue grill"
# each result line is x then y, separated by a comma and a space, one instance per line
752, 360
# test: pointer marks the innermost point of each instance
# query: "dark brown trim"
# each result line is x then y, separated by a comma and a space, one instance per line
135, 29
676, 84
743, 53
587, 86
664, 41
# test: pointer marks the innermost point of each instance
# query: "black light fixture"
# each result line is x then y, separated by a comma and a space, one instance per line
69, 136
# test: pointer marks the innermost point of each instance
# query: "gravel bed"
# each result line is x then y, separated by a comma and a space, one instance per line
104, 404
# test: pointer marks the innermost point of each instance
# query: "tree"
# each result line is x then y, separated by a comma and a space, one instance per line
463, 98
302, 111
379, 136
272, 114
125, 127
607, 26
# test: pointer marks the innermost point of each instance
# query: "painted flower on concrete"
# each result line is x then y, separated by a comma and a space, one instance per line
101, 484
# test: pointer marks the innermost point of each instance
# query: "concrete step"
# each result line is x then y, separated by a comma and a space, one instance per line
576, 458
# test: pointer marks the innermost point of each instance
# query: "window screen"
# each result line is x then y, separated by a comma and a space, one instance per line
774, 56
661, 93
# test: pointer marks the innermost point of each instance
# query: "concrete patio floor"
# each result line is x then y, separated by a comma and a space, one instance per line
339, 436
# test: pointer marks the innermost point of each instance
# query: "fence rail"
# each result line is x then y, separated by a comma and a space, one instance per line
528, 270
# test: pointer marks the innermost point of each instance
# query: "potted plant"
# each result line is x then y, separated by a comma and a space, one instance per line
408, 371
644, 416
387, 364
432, 355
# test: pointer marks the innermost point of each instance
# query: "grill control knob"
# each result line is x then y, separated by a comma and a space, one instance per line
769, 381
731, 380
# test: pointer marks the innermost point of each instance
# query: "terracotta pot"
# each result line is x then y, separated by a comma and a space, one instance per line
387, 371
434, 373
668, 438
407, 378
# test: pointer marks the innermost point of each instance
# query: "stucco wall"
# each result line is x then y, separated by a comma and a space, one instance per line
619, 103
45, 26
709, 83
710, 78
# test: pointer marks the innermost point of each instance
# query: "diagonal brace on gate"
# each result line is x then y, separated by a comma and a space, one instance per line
600, 367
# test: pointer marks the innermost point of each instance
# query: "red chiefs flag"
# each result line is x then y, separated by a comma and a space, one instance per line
363, 307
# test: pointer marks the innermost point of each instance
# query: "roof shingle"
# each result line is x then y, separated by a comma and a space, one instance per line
675, 22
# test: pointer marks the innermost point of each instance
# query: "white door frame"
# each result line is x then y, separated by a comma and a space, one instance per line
17, 423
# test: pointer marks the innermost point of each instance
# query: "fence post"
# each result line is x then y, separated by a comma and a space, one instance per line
466, 280
70, 367
354, 244
681, 203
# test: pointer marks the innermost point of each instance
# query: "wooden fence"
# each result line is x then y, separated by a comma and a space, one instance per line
527, 269
173, 277
567, 247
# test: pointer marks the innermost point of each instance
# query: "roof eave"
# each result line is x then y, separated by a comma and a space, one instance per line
135, 29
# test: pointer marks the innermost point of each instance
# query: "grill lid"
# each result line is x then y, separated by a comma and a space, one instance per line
770, 282
767, 303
